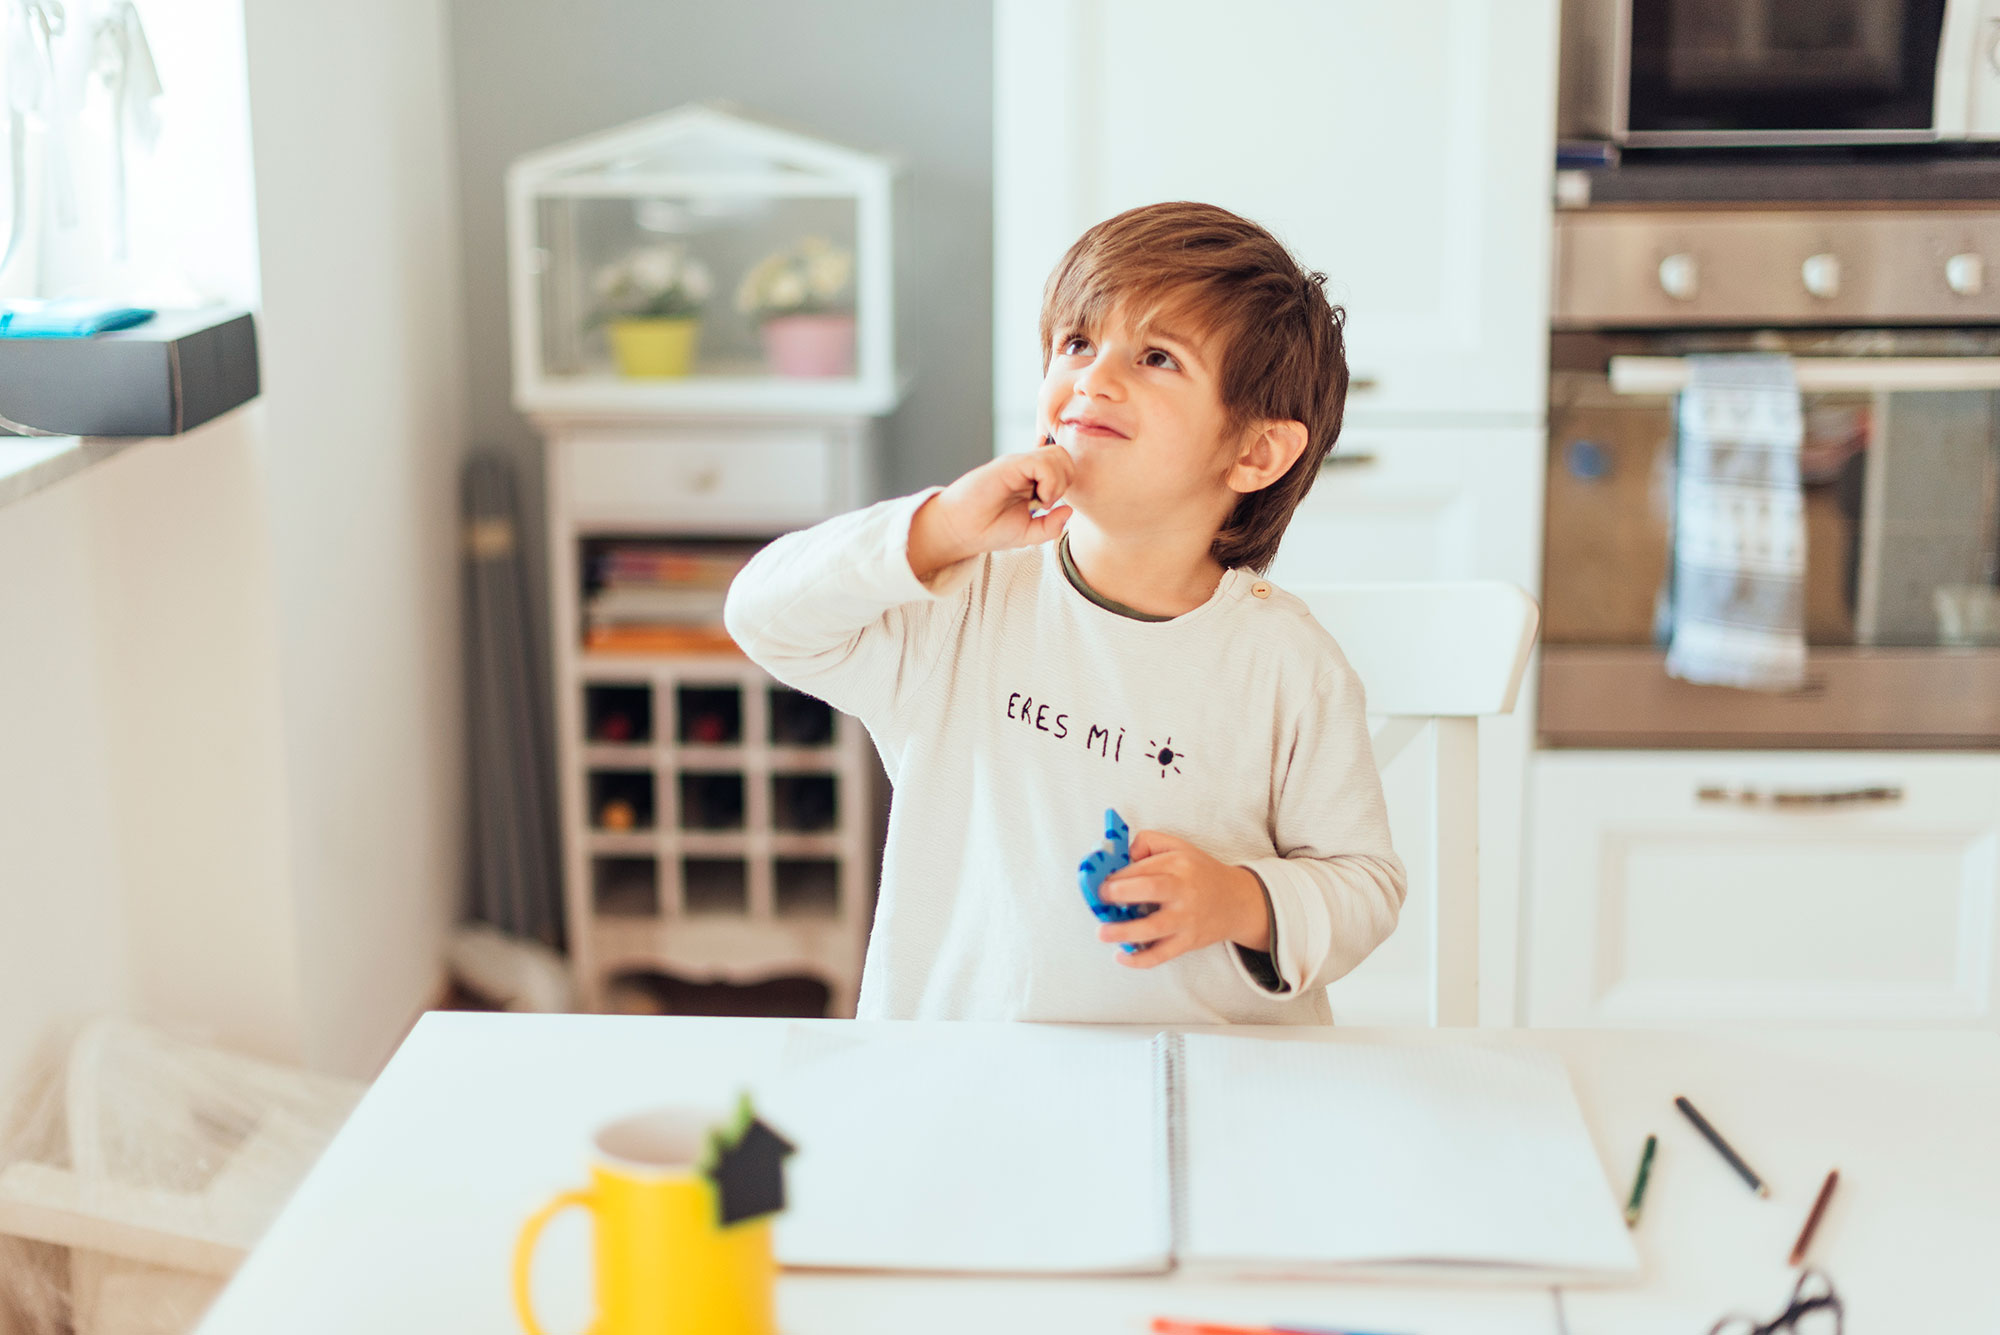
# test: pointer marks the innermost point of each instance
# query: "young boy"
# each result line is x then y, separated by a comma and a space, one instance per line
1083, 626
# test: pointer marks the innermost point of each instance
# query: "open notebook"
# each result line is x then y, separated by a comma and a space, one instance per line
1043, 1149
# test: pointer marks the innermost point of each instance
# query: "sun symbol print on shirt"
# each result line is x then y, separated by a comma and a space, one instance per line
1164, 756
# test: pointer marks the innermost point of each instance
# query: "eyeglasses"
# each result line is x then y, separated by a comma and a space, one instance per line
1814, 1310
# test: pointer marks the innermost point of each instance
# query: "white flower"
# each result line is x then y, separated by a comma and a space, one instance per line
806, 275
750, 293
660, 281
828, 273
656, 268
787, 290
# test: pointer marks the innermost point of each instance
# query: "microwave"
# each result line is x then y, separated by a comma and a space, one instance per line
1742, 73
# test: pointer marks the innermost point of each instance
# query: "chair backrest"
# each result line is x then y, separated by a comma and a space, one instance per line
1436, 658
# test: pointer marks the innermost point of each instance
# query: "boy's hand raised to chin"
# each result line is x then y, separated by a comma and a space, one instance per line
992, 508
1201, 901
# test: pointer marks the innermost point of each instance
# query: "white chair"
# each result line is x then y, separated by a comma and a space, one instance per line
1437, 658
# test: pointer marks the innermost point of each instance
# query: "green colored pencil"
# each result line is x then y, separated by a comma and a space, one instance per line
1639, 1184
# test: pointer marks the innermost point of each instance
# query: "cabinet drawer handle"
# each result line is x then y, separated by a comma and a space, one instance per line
705, 479
1878, 796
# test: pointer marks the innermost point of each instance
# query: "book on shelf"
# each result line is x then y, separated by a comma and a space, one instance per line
661, 596
634, 605
658, 563
653, 639
1046, 1149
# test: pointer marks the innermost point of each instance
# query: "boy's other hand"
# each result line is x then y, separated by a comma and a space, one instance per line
993, 508
1201, 901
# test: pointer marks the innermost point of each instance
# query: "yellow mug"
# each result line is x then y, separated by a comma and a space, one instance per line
663, 1263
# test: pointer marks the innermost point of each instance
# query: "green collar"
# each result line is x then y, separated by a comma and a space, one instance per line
1109, 605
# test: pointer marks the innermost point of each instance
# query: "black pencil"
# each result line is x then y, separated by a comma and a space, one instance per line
1714, 1138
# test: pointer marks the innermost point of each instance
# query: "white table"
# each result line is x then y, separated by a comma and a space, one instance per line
408, 1221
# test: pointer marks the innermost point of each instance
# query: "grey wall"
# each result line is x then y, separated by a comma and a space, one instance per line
912, 78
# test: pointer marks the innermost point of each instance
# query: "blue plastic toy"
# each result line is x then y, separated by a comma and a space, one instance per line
1090, 874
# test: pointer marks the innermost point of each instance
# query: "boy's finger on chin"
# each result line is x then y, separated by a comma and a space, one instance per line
1047, 525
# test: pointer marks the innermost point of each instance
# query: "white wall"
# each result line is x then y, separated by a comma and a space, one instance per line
62, 938
188, 698
229, 717
356, 219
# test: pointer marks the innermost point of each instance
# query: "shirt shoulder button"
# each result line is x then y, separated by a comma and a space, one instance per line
1260, 589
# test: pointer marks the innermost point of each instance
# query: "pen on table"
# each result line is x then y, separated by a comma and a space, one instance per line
1166, 1325
1812, 1218
1714, 1137
1639, 1183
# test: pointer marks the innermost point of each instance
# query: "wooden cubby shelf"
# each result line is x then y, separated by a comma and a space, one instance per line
721, 826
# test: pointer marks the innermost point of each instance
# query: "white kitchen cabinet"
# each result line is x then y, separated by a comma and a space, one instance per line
1404, 150
1857, 888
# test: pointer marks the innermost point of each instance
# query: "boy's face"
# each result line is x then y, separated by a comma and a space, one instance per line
1142, 416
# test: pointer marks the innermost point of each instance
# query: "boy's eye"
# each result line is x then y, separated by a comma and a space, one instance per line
1069, 343
1157, 352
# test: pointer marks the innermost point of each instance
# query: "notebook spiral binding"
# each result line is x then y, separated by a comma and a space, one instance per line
1173, 1093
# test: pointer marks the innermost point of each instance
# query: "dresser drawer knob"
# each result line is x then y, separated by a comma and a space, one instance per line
1680, 278
1965, 274
1821, 275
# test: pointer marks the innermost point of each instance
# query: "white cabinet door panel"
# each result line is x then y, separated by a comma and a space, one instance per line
1417, 504
1404, 150
1652, 904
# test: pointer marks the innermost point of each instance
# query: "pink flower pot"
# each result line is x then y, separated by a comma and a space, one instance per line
810, 345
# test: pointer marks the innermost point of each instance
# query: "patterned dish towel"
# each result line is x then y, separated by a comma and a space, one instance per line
1739, 527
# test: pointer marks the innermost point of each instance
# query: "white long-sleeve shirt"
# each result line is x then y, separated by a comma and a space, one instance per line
1010, 711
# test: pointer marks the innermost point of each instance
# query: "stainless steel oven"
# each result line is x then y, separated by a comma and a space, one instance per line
1894, 327
1690, 73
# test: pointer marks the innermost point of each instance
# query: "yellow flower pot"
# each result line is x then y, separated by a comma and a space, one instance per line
654, 348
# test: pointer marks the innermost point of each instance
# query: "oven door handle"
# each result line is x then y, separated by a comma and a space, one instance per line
1888, 375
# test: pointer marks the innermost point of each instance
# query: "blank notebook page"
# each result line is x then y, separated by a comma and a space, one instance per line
1318, 1155
997, 1148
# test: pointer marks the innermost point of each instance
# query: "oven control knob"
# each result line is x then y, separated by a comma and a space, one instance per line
1679, 276
1965, 274
1821, 275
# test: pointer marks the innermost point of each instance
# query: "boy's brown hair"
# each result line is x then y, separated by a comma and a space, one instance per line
1278, 338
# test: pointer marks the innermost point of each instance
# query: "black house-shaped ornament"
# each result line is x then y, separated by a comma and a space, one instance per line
749, 1176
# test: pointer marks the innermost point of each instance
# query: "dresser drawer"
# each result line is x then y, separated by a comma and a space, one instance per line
716, 480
